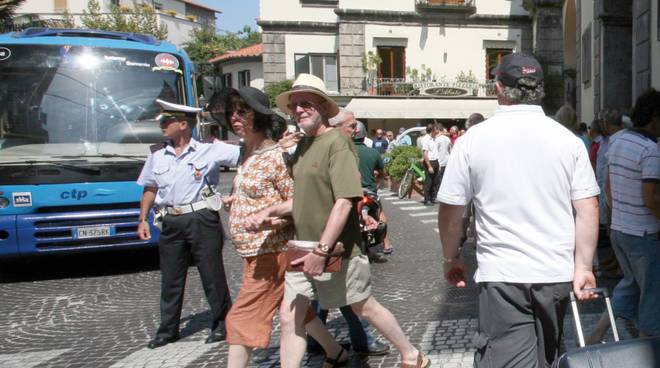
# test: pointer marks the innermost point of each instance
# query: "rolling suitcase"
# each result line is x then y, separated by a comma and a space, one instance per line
634, 353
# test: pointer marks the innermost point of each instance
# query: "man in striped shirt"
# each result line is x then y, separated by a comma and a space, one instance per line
633, 189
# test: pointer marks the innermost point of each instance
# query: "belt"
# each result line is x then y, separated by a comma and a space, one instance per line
186, 208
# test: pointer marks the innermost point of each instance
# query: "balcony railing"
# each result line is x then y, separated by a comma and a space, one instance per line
446, 5
439, 88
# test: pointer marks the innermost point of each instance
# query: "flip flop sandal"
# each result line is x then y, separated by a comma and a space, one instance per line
332, 363
388, 251
422, 362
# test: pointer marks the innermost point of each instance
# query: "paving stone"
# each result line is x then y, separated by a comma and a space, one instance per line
102, 310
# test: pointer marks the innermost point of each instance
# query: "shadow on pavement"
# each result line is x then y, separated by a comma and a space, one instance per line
78, 265
195, 322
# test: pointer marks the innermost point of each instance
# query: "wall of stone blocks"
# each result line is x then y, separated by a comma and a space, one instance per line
641, 46
549, 49
351, 50
273, 57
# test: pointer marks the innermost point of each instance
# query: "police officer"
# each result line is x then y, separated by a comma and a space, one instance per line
180, 177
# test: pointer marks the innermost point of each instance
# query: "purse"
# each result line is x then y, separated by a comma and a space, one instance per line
300, 248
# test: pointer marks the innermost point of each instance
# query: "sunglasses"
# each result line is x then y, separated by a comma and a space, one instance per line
239, 112
305, 105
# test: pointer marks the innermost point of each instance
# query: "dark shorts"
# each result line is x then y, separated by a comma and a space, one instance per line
520, 325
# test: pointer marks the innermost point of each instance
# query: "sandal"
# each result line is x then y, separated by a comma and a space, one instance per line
422, 362
332, 363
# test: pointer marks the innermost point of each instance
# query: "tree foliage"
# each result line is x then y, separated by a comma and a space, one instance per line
138, 19
205, 43
7, 11
275, 88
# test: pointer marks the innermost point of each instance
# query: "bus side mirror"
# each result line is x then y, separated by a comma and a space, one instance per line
216, 109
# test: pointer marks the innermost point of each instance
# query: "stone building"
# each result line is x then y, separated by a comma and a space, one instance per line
241, 67
611, 51
180, 16
435, 55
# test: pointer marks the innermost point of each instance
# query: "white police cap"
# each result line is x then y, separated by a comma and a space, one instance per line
171, 109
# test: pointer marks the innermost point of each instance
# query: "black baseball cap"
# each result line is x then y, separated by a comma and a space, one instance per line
515, 66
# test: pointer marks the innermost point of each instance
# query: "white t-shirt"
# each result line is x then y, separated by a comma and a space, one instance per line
430, 145
421, 140
522, 169
444, 145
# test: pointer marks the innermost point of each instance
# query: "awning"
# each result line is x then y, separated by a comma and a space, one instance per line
420, 108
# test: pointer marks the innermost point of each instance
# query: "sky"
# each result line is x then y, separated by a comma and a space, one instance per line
235, 13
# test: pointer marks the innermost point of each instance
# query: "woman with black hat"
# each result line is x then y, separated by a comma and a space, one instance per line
262, 180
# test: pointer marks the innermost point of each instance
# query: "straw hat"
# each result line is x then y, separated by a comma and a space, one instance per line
307, 83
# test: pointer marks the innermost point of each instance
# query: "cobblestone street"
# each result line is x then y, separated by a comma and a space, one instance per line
101, 310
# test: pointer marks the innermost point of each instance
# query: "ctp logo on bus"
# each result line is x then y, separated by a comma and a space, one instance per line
74, 194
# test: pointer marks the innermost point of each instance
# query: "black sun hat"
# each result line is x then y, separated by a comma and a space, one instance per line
515, 66
253, 97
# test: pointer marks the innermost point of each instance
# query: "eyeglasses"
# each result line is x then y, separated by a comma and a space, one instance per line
352, 126
240, 112
305, 105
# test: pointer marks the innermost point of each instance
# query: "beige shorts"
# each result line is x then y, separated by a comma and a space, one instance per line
333, 290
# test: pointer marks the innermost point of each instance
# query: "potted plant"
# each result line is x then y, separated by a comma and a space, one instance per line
370, 62
397, 162
170, 12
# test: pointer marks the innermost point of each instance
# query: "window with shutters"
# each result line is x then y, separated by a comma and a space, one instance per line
586, 55
243, 78
226, 80
323, 66
60, 5
493, 57
394, 62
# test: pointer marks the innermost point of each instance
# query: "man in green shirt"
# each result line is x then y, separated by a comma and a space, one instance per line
370, 164
326, 187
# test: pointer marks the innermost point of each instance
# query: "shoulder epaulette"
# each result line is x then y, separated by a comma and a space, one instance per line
157, 147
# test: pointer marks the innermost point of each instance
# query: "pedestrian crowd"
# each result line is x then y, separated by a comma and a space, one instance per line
539, 189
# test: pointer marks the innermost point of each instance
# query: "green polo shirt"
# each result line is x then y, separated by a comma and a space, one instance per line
325, 170
369, 161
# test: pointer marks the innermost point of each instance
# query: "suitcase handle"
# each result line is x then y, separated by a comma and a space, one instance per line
576, 316
604, 292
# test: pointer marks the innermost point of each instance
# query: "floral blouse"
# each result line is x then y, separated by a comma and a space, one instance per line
261, 181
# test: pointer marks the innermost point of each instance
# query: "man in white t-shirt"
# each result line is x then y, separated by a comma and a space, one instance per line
444, 148
531, 249
430, 156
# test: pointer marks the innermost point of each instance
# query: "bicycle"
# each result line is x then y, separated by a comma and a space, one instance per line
414, 176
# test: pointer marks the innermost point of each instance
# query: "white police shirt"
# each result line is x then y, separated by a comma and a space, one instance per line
180, 180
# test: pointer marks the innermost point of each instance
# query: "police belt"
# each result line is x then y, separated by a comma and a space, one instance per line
186, 208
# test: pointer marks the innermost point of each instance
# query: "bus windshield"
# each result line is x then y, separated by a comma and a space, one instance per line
78, 101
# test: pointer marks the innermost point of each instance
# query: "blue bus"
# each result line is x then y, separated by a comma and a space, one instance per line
77, 111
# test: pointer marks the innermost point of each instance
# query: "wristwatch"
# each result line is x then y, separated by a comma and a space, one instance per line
325, 248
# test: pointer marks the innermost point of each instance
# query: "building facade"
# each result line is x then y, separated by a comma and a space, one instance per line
613, 48
240, 68
439, 50
180, 16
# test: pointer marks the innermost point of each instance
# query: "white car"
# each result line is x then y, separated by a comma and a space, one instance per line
414, 134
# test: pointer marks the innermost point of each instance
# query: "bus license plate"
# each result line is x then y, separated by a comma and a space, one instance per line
92, 232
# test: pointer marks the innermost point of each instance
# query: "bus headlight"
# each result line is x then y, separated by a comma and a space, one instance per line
4, 202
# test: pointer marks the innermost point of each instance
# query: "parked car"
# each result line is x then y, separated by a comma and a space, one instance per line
414, 134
